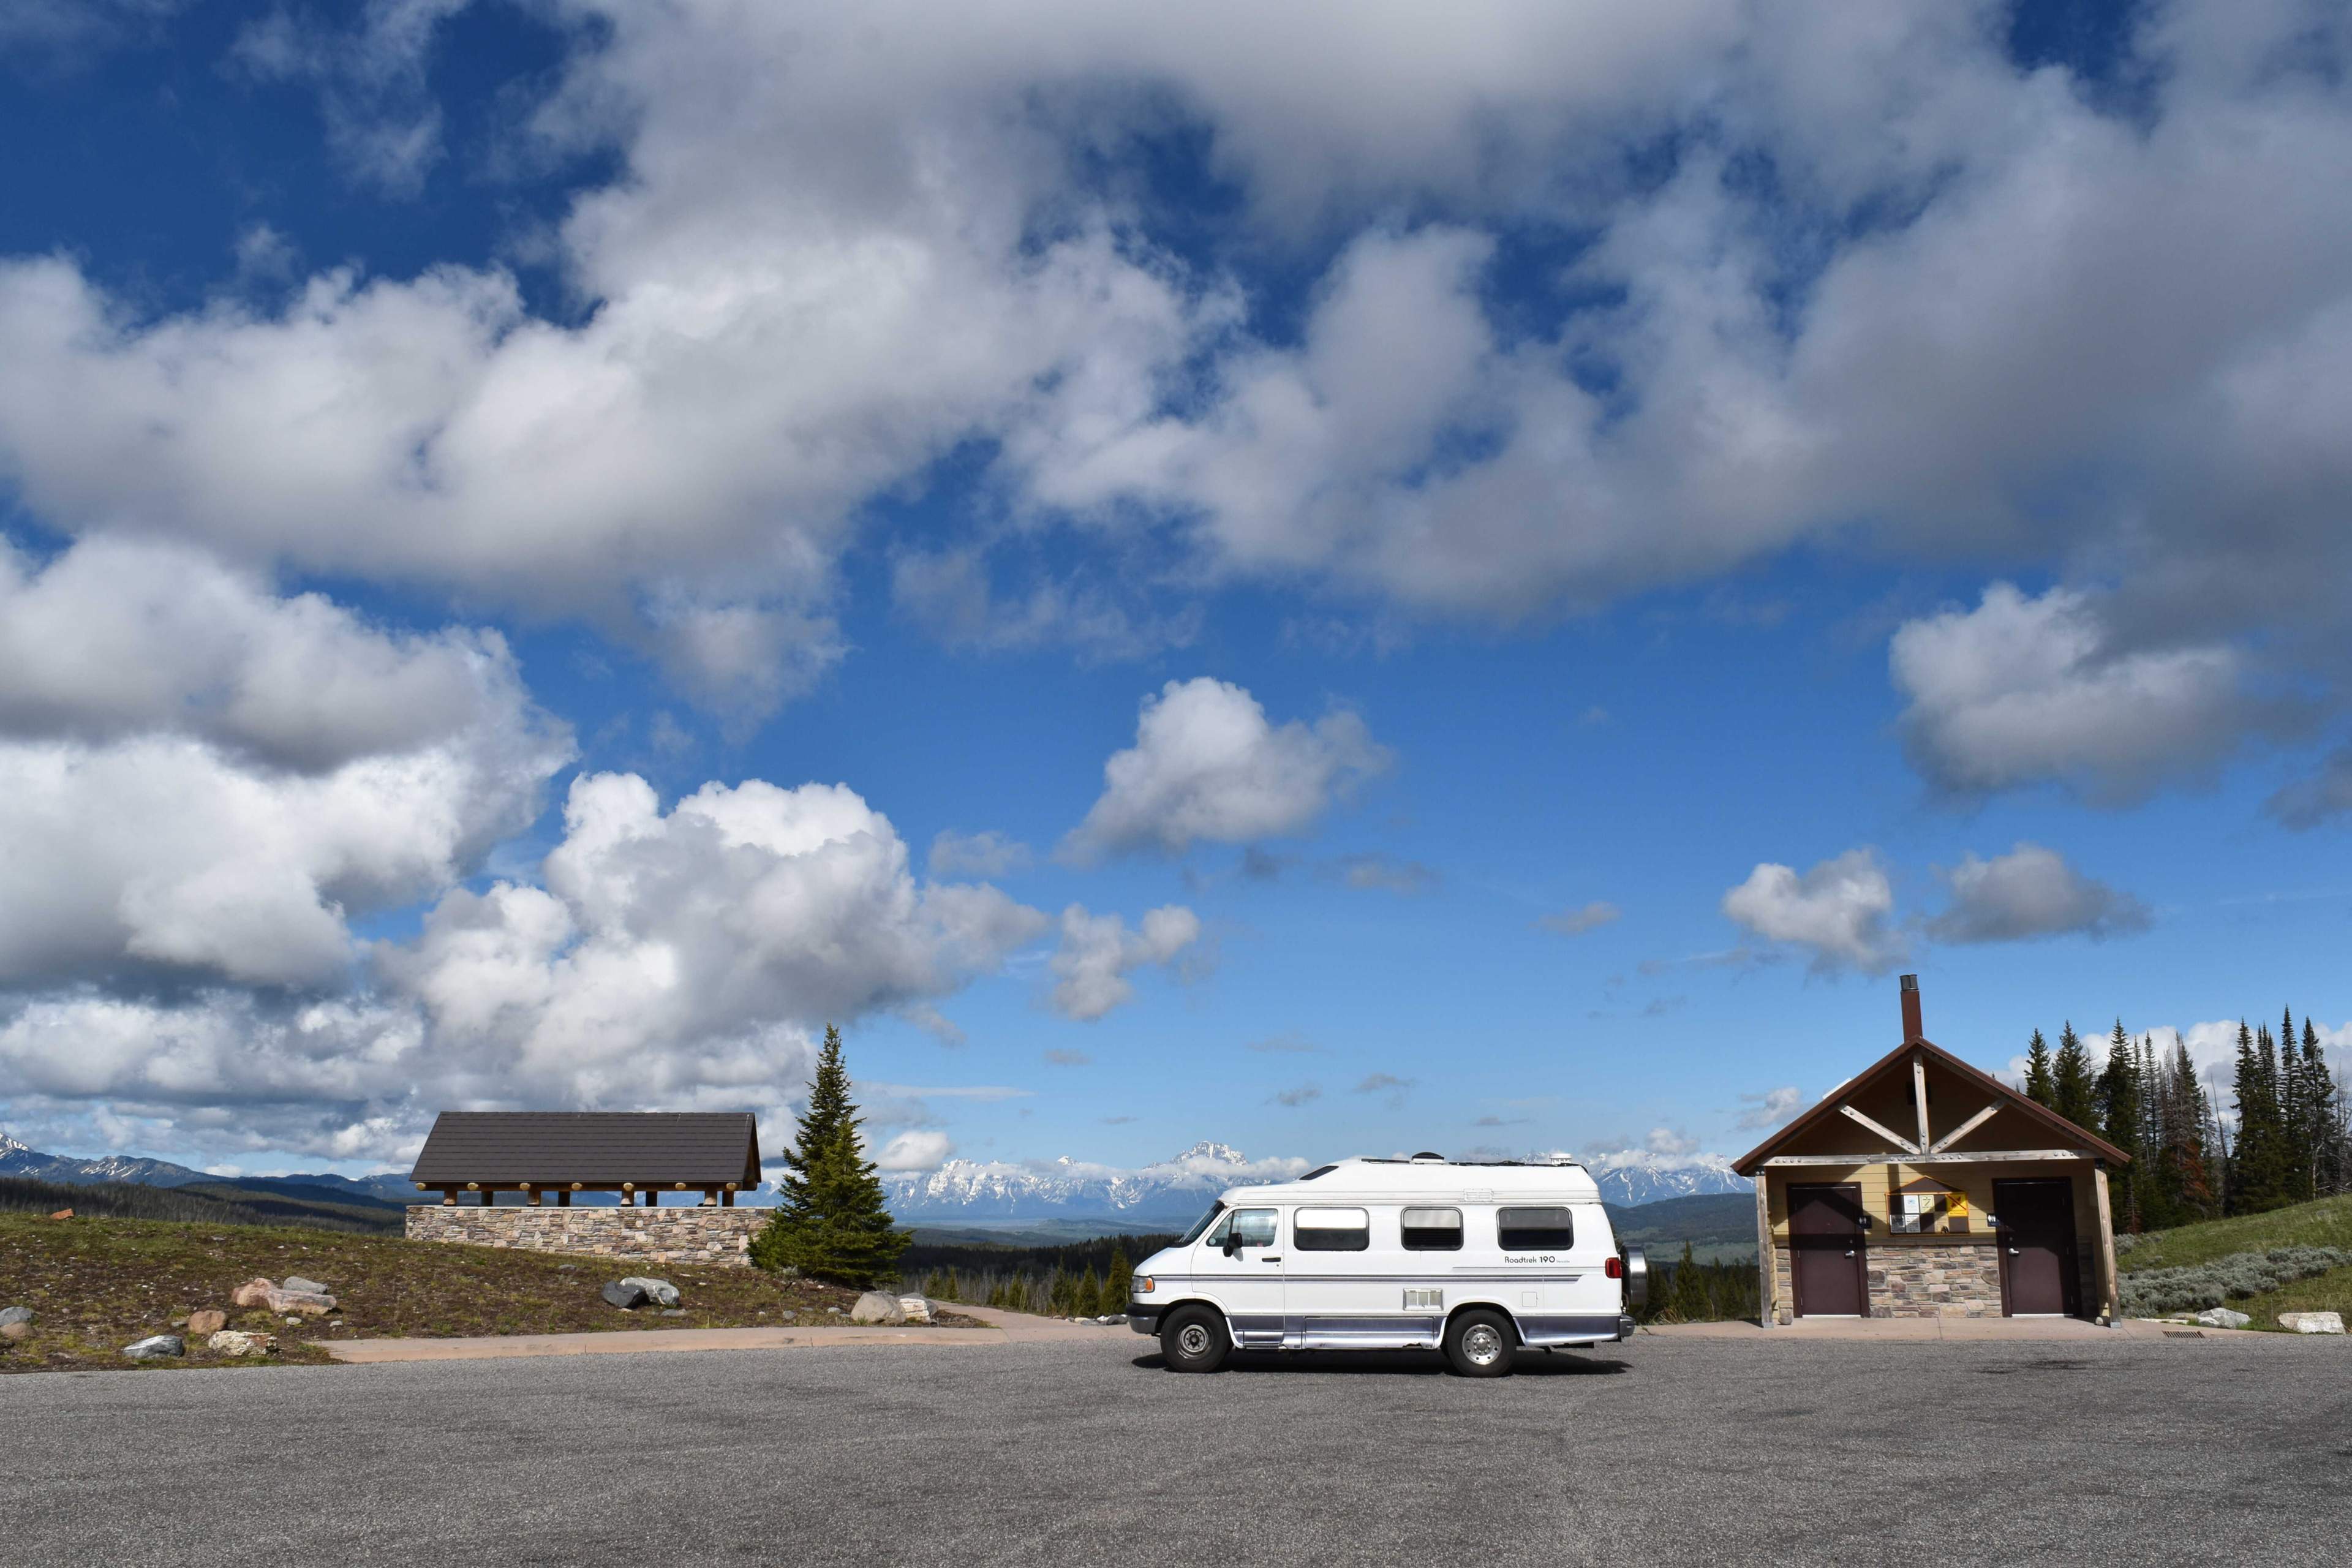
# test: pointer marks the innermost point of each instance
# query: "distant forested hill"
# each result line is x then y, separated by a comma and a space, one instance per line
206, 1204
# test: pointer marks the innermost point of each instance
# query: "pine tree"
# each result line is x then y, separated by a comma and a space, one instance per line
830, 1221
2258, 1173
2039, 1087
1118, 1285
2119, 1124
2331, 1162
1090, 1296
1687, 1297
2073, 1094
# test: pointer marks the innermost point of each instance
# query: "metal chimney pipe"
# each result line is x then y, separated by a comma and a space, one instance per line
1911, 1028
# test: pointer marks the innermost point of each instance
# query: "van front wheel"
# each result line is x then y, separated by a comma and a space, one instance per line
1193, 1339
1480, 1344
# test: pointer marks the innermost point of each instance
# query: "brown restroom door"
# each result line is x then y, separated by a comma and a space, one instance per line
2037, 1248
1825, 1251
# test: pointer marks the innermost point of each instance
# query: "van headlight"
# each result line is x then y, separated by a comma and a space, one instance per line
1145, 1284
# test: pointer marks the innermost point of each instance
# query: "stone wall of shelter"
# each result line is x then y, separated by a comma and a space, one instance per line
714, 1235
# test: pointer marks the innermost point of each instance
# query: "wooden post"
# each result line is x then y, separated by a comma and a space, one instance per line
1767, 1265
564, 1199
449, 1197
1920, 1093
2110, 1298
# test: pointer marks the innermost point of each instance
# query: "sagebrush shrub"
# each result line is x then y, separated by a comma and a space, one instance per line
2192, 1287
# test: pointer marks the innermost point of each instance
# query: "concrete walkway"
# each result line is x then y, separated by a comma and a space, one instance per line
2013, 1330
1002, 1328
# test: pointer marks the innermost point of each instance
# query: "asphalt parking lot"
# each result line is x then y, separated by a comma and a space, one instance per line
1658, 1451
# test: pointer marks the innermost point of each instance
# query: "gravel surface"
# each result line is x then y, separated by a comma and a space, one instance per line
1659, 1451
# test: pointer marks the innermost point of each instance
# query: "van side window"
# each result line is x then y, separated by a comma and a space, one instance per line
1254, 1227
1432, 1230
1535, 1229
1332, 1230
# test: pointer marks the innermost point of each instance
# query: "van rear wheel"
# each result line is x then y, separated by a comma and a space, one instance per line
1193, 1339
1480, 1344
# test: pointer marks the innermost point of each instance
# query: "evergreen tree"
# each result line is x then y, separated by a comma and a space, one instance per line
2120, 1125
2072, 1093
1090, 1296
1687, 1297
830, 1221
2298, 1129
950, 1291
2039, 1086
2331, 1163
2258, 1173
1118, 1285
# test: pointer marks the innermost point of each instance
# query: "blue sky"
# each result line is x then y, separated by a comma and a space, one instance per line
1493, 579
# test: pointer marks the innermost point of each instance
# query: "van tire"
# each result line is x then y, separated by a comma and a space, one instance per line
1480, 1344
1193, 1339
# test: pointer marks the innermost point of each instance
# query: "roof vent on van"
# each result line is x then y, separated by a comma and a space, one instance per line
1426, 1158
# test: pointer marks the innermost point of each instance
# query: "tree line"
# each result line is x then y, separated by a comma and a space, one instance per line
2288, 1138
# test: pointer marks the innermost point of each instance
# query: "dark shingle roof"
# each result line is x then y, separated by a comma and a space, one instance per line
698, 1148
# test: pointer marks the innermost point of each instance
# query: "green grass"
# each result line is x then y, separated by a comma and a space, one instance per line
2328, 1292
96, 1284
2327, 1223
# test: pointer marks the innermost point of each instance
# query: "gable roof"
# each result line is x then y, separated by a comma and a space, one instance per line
699, 1148
2009, 1099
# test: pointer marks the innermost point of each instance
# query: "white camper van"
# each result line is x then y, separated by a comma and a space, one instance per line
1482, 1259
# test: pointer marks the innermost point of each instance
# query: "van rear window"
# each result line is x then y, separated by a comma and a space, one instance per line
1535, 1229
1332, 1230
1432, 1230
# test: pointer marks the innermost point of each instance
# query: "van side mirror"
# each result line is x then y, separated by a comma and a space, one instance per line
1233, 1244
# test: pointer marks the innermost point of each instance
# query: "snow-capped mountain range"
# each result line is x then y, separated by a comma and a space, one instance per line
22, 1160
19, 1160
1174, 1192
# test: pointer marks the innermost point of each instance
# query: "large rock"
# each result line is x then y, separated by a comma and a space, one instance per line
661, 1292
207, 1322
625, 1294
156, 1347
10, 1315
916, 1308
876, 1307
308, 1303
2313, 1322
2222, 1318
237, 1342
252, 1293
295, 1282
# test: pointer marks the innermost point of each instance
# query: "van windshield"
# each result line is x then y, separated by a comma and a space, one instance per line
1203, 1223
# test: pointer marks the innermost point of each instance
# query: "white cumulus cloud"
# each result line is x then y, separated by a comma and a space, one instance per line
2032, 892
1098, 952
1208, 765
1838, 911
2025, 690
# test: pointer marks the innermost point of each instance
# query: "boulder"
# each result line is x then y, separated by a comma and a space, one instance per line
252, 1293
308, 1303
237, 1342
660, 1292
2313, 1322
15, 1315
156, 1347
2221, 1318
15, 1333
625, 1294
876, 1307
916, 1308
295, 1282
206, 1322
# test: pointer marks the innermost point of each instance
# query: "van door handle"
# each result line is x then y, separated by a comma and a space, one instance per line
1274, 1259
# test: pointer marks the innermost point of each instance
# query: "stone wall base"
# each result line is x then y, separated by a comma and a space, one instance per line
709, 1236
1926, 1281
1922, 1280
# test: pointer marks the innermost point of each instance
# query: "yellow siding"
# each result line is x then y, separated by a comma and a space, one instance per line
1877, 1179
